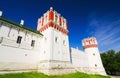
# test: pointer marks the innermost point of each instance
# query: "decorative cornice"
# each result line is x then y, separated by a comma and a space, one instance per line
90, 46
55, 26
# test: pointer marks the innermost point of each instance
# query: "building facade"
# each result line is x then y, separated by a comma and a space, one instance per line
46, 49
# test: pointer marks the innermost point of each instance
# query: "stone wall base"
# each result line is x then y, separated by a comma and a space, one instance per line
88, 70
55, 67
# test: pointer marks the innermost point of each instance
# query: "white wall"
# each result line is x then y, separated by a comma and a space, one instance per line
4, 30
47, 53
85, 61
18, 59
61, 50
79, 58
13, 33
94, 57
14, 56
46, 44
53, 50
94, 61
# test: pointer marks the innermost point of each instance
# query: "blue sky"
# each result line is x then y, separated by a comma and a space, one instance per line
86, 18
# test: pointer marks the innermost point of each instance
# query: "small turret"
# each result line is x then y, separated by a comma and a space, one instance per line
95, 65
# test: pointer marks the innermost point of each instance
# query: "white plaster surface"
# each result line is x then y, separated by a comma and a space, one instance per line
49, 55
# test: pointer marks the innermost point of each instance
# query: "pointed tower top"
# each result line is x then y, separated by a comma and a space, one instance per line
51, 8
1, 13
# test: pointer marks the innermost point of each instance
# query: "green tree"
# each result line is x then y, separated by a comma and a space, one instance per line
111, 61
117, 58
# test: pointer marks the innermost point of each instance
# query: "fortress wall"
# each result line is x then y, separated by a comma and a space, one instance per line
15, 59
48, 54
18, 56
79, 58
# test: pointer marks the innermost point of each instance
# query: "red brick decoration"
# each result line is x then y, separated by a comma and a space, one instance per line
55, 26
89, 43
51, 15
90, 46
54, 20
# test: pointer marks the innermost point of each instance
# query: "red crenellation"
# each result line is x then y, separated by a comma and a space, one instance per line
52, 19
89, 43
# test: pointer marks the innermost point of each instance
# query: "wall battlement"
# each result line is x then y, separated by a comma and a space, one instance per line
52, 19
89, 43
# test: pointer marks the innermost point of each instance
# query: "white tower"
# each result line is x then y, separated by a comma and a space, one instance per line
55, 54
95, 66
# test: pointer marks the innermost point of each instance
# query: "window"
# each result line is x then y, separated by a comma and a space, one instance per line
95, 65
19, 39
44, 52
56, 39
45, 39
64, 43
25, 54
93, 54
33, 43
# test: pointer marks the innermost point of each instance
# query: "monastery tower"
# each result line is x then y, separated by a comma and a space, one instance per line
55, 44
90, 46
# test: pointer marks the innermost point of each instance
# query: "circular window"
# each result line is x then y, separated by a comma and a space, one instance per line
95, 65
93, 54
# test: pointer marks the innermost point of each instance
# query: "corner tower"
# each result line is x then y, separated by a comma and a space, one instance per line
55, 54
95, 65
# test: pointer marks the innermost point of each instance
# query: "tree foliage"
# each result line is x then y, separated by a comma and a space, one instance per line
111, 61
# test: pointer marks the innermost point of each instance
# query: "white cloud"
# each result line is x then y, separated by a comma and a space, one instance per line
106, 31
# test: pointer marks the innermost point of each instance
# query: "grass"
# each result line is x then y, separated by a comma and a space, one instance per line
40, 75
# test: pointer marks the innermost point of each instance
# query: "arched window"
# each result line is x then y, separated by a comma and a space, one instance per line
64, 42
56, 39
95, 65
93, 54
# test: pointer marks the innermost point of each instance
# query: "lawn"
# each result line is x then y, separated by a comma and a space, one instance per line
40, 75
